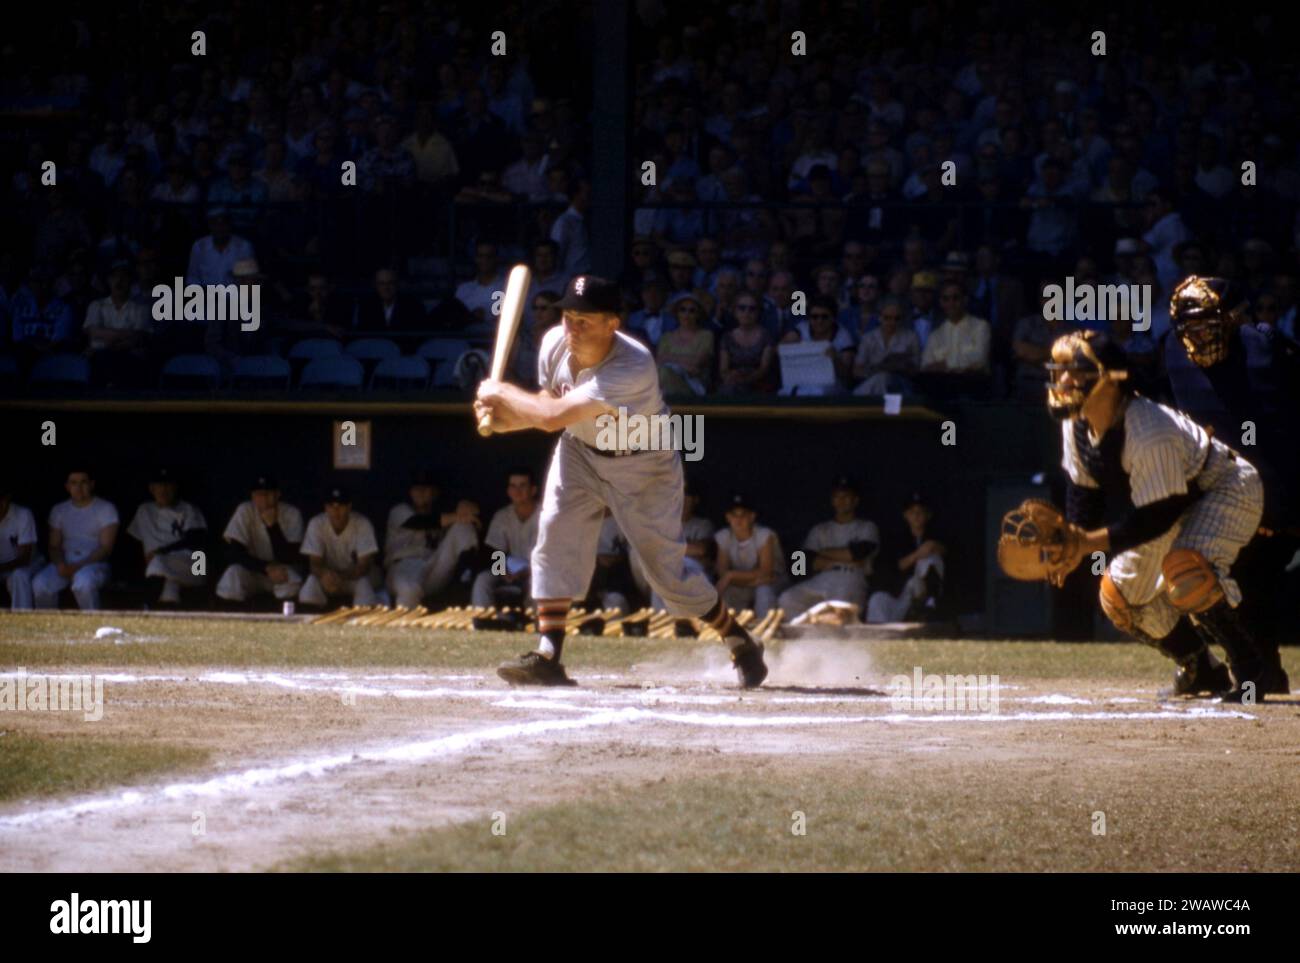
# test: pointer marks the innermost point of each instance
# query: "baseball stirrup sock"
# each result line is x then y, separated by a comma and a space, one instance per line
551, 619
719, 618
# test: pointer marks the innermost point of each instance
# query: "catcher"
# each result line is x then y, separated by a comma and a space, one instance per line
1196, 503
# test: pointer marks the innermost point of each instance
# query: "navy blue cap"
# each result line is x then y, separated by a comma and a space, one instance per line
587, 292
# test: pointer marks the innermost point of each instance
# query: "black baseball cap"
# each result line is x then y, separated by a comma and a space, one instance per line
844, 483
423, 476
916, 498
587, 292
162, 475
337, 494
739, 500
265, 483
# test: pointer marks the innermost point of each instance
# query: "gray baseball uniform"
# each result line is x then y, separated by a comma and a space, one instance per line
1165, 450
643, 491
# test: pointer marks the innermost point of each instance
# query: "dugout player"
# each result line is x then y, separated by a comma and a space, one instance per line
263, 536
588, 368
423, 547
340, 549
169, 530
19, 560
83, 531
1196, 503
1235, 379
843, 550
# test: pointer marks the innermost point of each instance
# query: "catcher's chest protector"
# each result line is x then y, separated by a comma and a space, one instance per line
1103, 461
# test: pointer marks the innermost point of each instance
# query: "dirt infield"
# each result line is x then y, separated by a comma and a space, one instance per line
332, 767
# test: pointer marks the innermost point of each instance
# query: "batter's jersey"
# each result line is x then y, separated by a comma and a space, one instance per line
511, 534
1163, 450
743, 556
340, 550
81, 526
627, 378
155, 526
833, 534
247, 528
17, 528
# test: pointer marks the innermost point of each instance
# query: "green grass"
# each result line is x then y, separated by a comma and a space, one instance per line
50, 765
67, 639
1026, 817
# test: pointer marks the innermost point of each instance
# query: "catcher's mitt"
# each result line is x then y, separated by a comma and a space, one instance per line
1035, 539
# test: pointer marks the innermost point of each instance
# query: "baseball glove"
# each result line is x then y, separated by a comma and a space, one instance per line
1036, 539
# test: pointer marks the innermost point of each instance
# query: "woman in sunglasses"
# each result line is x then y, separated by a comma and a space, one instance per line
685, 354
746, 358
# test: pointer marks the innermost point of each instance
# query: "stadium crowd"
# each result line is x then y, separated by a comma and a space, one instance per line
878, 213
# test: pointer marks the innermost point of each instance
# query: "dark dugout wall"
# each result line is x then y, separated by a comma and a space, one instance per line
784, 461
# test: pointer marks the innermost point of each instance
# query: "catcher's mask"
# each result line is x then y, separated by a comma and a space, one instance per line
1203, 312
1088, 358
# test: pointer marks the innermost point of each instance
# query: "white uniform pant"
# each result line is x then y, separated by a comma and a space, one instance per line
644, 494
18, 583
1218, 525
239, 584
359, 590
760, 598
86, 583
177, 569
884, 607
411, 579
836, 584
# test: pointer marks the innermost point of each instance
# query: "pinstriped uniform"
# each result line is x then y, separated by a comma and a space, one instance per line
1164, 452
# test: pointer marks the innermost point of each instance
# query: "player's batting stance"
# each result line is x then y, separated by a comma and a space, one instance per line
1196, 503
588, 368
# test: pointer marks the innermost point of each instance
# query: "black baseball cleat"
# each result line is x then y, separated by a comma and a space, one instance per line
747, 657
1205, 675
533, 668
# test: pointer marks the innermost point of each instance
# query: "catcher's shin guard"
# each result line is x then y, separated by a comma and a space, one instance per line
1221, 624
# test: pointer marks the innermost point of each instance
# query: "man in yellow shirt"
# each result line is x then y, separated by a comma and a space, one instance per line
961, 344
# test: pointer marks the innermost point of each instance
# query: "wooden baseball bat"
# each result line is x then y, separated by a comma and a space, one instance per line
512, 309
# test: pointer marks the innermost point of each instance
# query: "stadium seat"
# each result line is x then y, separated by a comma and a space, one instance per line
8, 368
197, 371
340, 372
262, 371
373, 349
399, 373
64, 369
310, 349
445, 351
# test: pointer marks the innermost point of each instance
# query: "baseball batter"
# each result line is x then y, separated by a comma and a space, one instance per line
1196, 503
588, 368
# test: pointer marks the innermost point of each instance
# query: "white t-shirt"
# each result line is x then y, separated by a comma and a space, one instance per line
340, 550
833, 534
247, 528
509, 533
17, 528
155, 526
81, 526
744, 556
628, 378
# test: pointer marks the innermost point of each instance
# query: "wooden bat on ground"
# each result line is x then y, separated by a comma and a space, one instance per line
512, 309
